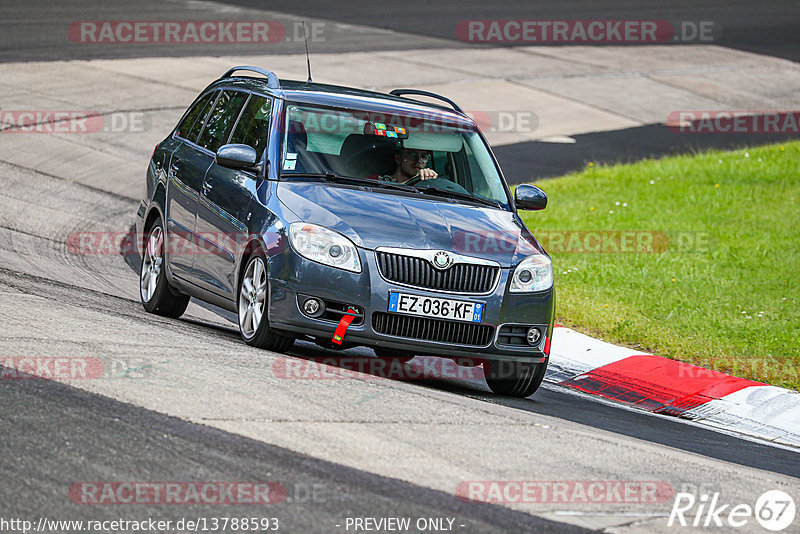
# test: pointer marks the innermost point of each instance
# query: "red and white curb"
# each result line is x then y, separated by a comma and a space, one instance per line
660, 385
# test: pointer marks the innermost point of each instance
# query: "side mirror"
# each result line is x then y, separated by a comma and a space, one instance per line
529, 197
237, 157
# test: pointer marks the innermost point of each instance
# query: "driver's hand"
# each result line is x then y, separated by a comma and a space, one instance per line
427, 174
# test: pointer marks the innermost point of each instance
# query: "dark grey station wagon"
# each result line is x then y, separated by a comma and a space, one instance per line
347, 217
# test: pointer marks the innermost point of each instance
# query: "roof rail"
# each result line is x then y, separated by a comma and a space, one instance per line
272, 80
400, 92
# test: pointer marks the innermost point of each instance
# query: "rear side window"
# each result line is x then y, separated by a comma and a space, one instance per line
253, 126
220, 122
194, 133
200, 109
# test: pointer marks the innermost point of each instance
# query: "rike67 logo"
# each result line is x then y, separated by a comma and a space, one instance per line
774, 510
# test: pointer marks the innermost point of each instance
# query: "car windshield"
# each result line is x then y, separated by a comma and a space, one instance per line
433, 152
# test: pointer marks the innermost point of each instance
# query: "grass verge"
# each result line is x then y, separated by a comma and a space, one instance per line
696, 258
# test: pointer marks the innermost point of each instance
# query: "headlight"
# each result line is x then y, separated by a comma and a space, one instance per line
534, 273
319, 244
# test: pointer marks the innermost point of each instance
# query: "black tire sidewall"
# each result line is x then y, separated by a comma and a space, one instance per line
515, 379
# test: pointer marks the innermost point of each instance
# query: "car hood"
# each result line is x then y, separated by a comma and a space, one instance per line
373, 219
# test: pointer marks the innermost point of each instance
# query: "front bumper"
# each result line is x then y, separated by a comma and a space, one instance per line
291, 275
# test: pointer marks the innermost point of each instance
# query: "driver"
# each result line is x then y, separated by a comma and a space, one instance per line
411, 164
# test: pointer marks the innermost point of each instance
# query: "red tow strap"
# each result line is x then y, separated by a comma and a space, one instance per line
341, 328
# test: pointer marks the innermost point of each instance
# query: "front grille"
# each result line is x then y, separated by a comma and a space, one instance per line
418, 272
423, 328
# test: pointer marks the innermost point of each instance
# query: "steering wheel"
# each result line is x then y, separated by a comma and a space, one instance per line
439, 183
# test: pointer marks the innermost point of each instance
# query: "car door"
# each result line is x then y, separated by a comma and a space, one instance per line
185, 173
225, 195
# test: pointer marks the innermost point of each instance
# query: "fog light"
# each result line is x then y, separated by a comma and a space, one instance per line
313, 307
534, 336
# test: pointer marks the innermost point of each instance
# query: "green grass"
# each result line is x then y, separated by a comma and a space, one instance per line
723, 291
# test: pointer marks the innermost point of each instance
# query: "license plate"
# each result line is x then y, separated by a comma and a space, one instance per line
458, 310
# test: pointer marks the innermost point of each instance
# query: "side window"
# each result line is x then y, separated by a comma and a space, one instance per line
198, 124
188, 121
253, 126
220, 123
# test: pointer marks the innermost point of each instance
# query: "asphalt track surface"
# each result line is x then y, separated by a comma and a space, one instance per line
68, 435
37, 29
197, 417
766, 28
533, 160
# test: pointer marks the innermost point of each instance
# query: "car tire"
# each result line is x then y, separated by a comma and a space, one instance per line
253, 307
154, 290
514, 379
385, 353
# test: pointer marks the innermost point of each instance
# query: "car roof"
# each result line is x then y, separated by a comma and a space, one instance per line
341, 96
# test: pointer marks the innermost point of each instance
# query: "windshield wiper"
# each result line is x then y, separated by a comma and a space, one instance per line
330, 177
457, 194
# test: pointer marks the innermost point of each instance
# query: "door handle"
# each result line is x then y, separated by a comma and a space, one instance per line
207, 186
173, 170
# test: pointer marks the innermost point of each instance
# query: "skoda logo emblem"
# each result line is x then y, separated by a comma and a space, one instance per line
442, 260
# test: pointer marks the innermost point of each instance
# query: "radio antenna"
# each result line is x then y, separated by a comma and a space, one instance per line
308, 59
